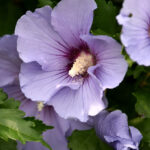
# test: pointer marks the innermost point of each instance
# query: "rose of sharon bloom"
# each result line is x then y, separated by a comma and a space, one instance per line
66, 66
112, 127
136, 29
9, 71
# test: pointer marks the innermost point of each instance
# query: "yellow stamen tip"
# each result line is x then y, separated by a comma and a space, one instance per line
40, 106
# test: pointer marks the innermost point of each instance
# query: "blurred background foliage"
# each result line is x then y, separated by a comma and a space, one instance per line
11, 11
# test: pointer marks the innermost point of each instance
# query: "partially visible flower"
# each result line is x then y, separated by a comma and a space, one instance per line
9, 72
66, 66
112, 127
9, 60
135, 18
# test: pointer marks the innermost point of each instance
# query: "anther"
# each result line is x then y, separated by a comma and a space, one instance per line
40, 106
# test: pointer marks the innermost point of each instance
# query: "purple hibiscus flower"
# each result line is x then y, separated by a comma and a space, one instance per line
66, 66
112, 127
136, 29
9, 81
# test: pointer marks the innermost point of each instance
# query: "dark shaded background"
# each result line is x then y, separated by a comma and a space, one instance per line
10, 12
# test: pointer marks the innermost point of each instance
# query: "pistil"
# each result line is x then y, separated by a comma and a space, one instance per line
81, 64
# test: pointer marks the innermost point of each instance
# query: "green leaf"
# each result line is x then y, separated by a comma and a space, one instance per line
8, 145
14, 126
10, 103
86, 140
39, 125
138, 71
99, 32
105, 18
143, 102
51, 3
127, 58
45, 2
3, 96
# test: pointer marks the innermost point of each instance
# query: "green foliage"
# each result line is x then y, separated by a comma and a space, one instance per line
8, 145
145, 146
143, 102
9, 18
51, 3
7, 103
14, 126
105, 19
10, 103
3, 96
11, 11
138, 71
144, 127
127, 58
141, 92
45, 2
86, 140
39, 125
